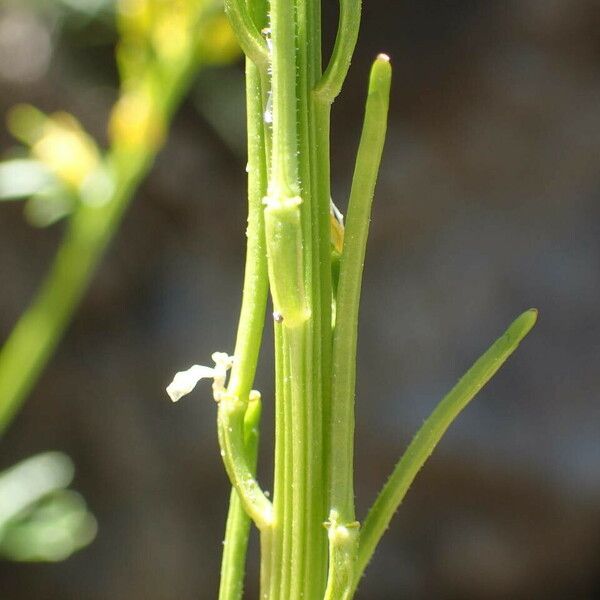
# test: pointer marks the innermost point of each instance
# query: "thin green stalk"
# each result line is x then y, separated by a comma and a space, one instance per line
251, 323
247, 33
280, 577
343, 530
271, 573
284, 174
232, 406
237, 530
255, 291
314, 177
319, 157
345, 41
431, 432
285, 213
293, 212
349, 287
301, 476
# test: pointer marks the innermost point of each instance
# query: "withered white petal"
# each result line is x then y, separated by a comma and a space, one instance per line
185, 381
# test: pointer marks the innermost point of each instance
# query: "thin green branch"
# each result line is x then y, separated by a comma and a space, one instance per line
333, 78
292, 215
313, 133
349, 287
237, 529
249, 37
432, 431
284, 169
342, 527
300, 559
232, 406
250, 328
239, 469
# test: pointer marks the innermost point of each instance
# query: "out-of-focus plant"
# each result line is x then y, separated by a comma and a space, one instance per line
162, 46
298, 247
63, 174
40, 519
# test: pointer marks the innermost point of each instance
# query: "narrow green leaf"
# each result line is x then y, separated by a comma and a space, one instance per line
343, 531
30, 480
250, 328
49, 530
349, 286
431, 433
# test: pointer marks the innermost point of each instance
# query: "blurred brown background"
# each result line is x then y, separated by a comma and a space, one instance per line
488, 203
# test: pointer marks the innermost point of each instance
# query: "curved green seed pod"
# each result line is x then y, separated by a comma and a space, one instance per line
285, 259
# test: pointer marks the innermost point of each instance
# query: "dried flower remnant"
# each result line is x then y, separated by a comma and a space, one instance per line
184, 382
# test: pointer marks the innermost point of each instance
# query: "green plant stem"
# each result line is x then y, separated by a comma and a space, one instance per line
274, 577
284, 169
315, 176
431, 432
272, 544
298, 203
343, 530
349, 287
333, 78
251, 316
237, 529
248, 35
319, 157
286, 559
232, 407
39, 329
314, 411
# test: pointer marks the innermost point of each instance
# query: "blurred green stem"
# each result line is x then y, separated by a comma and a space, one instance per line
90, 229
40, 328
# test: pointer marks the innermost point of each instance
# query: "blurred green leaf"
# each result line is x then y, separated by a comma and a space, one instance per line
40, 520
30, 480
21, 178
51, 530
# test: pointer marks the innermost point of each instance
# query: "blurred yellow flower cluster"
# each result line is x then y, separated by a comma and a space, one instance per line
156, 37
161, 45
58, 141
136, 122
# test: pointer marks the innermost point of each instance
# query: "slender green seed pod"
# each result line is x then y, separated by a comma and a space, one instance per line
285, 260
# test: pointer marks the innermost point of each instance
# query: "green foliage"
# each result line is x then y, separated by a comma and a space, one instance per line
61, 173
40, 519
314, 269
312, 545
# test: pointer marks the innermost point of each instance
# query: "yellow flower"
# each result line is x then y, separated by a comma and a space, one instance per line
171, 36
135, 121
135, 17
66, 149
